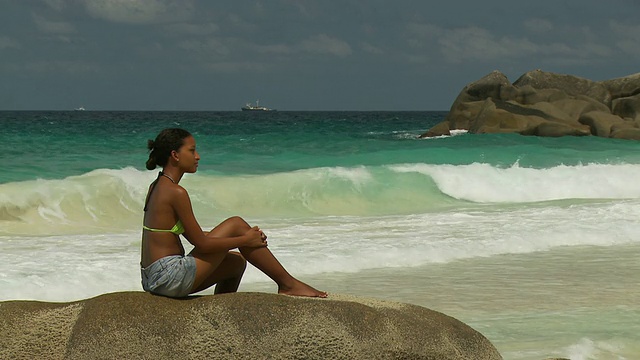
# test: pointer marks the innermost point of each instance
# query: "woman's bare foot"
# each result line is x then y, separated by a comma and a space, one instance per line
301, 289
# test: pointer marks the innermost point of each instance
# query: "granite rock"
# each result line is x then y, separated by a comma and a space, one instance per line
137, 325
546, 104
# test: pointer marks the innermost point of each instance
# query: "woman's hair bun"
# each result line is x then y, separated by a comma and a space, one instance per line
151, 163
160, 149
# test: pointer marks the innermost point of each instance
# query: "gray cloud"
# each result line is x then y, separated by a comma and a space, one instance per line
55, 66
627, 38
473, 43
367, 47
235, 67
140, 11
200, 29
8, 43
58, 5
208, 47
280, 49
53, 27
324, 44
538, 25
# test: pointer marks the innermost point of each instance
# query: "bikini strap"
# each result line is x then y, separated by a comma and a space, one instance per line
153, 187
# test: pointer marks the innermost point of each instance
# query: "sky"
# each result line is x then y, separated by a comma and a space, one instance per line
297, 54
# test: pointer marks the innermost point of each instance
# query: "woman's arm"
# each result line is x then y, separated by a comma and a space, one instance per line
207, 244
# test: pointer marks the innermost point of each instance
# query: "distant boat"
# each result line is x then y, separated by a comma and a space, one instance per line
257, 107
79, 109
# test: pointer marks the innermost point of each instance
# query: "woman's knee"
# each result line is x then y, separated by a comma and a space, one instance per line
233, 226
238, 221
238, 225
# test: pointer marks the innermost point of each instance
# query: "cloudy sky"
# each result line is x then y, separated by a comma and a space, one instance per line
297, 54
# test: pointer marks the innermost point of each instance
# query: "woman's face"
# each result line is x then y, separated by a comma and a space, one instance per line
188, 157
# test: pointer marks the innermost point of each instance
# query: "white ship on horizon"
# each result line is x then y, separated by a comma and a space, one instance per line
257, 107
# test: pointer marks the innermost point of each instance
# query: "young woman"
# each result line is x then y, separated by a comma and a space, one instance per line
168, 213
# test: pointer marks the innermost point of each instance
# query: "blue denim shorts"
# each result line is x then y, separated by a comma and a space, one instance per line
170, 276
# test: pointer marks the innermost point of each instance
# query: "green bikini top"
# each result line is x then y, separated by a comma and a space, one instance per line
178, 228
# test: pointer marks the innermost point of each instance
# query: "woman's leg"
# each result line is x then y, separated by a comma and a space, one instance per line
224, 270
265, 261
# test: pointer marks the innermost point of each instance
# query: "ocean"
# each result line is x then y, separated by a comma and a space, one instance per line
532, 241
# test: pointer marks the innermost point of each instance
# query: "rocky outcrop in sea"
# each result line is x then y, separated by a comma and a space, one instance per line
546, 104
137, 325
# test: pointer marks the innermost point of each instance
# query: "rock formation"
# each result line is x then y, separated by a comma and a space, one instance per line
137, 325
546, 104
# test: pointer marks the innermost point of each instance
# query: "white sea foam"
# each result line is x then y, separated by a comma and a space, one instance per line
79, 266
485, 183
456, 132
93, 202
587, 349
358, 175
97, 217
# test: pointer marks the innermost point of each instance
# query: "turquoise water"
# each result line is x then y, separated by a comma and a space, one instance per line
513, 235
52, 145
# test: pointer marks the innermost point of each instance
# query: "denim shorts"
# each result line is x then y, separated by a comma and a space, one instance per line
170, 276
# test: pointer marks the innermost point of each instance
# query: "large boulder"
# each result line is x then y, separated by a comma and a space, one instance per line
528, 95
627, 107
600, 122
442, 129
503, 117
569, 84
136, 325
558, 129
471, 99
575, 107
626, 133
624, 86
543, 119
546, 104
489, 86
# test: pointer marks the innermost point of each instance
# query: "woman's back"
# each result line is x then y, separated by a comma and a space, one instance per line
159, 219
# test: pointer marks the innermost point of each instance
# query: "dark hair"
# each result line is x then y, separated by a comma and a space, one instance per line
160, 149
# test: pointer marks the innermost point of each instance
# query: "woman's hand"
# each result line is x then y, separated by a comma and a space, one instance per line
255, 237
